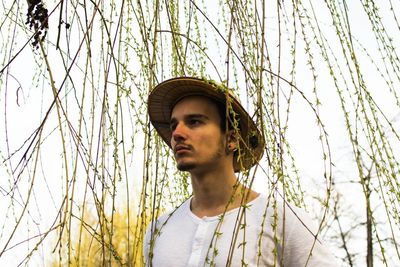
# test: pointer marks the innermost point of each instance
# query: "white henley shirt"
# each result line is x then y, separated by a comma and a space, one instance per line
250, 236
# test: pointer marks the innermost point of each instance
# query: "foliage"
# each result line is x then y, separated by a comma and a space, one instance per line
92, 246
76, 145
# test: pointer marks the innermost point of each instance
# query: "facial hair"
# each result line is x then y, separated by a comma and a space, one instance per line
221, 152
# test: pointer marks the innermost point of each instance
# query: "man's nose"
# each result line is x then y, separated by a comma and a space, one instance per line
179, 132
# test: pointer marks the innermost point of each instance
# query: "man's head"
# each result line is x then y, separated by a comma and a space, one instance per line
200, 138
167, 96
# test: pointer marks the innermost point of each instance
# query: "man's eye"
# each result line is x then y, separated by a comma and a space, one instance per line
194, 122
172, 126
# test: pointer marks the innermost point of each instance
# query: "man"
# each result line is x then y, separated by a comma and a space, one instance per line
224, 223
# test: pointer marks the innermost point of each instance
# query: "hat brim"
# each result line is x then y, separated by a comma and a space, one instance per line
164, 96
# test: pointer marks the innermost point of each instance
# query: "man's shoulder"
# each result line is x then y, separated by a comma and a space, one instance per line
281, 212
175, 213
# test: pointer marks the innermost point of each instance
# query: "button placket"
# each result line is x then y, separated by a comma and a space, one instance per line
198, 243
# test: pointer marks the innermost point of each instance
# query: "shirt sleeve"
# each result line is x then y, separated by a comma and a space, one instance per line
146, 244
302, 246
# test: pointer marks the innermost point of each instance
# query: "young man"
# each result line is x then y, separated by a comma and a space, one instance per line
223, 223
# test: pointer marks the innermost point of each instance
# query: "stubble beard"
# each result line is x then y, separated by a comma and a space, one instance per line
185, 166
221, 151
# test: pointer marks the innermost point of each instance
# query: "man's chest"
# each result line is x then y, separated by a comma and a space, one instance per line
213, 243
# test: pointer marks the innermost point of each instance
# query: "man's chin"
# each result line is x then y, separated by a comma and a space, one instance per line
185, 166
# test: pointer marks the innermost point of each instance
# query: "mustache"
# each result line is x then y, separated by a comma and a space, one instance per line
180, 145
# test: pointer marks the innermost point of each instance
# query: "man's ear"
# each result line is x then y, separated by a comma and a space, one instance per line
232, 140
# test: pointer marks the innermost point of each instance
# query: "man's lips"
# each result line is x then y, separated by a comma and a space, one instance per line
179, 149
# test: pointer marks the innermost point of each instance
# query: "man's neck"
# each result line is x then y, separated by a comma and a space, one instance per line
218, 191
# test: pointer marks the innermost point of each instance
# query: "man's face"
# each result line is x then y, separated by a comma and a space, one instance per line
197, 140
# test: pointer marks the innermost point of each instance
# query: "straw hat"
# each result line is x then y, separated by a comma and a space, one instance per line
164, 96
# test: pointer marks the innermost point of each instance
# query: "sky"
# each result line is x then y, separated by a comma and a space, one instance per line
26, 96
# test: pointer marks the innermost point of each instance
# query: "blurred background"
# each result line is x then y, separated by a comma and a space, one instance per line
82, 171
